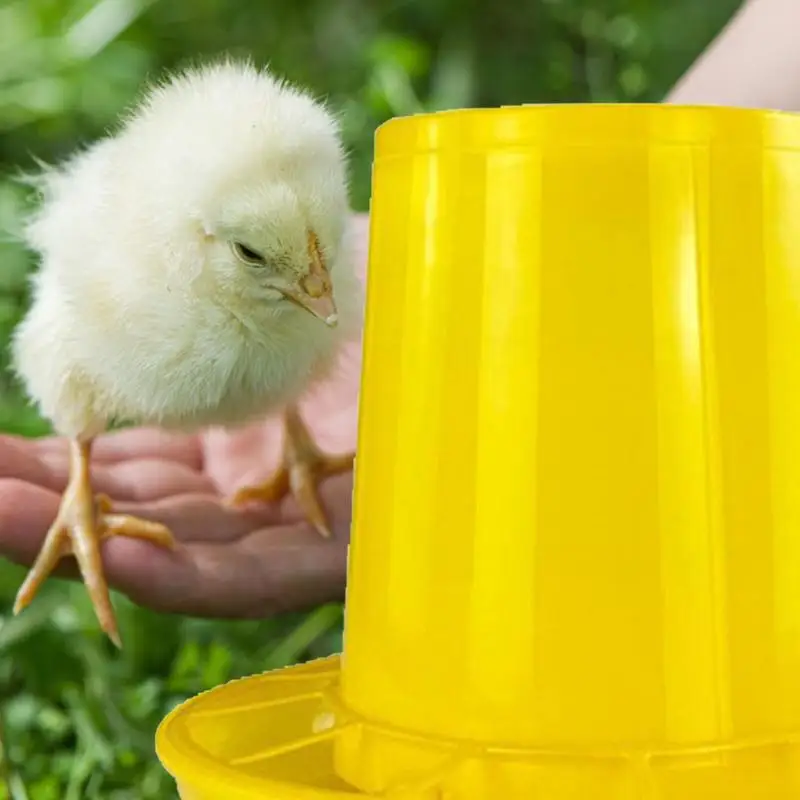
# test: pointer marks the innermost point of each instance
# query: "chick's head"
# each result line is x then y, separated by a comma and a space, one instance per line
248, 185
263, 246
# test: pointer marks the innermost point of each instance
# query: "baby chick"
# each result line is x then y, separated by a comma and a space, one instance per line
194, 272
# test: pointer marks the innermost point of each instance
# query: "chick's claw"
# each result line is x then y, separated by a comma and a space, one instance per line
82, 522
303, 466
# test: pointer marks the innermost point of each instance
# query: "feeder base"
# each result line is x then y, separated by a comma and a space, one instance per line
285, 735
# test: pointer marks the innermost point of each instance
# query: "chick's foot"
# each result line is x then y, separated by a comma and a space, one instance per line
303, 466
82, 522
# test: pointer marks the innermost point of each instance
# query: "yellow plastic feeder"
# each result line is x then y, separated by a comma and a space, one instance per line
575, 564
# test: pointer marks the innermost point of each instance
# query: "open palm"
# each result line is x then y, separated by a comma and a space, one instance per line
235, 563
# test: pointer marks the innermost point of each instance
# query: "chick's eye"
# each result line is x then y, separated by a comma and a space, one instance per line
246, 254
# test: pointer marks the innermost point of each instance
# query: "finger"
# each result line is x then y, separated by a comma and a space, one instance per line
136, 443
259, 571
196, 518
20, 461
26, 512
274, 569
144, 479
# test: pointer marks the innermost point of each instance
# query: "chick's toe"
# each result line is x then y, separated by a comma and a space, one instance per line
303, 466
82, 522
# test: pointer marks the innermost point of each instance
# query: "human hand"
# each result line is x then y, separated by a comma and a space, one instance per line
230, 563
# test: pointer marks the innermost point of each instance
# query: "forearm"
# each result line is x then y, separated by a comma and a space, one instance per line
754, 62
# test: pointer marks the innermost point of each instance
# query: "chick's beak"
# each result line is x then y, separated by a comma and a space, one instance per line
314, 292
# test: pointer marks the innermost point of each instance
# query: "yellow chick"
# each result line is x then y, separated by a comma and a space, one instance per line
193, 271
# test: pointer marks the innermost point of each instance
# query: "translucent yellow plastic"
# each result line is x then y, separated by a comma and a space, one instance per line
575, 568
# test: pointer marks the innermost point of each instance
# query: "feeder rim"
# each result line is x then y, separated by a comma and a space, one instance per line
588, 124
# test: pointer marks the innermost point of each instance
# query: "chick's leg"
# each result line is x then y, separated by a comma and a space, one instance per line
303, 465
82, 522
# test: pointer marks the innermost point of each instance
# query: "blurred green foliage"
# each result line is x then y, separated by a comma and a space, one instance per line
78, 719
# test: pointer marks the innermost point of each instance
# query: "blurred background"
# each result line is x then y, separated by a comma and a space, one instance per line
77, 720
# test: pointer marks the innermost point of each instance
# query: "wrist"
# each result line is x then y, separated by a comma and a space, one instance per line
753, 62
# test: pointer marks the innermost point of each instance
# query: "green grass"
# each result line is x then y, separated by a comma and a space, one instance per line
77, 717
15, 417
